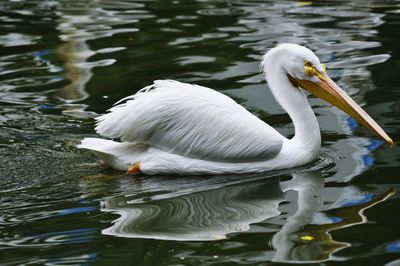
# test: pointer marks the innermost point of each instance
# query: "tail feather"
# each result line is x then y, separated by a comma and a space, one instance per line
118, 155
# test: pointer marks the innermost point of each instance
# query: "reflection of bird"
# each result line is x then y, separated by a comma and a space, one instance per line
197, 214
174, 127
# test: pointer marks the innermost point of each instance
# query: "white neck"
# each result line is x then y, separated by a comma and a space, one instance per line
307, 138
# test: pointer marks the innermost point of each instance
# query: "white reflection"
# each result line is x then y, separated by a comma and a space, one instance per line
300, 238
292, 243
75, 52
199, 216
78, 24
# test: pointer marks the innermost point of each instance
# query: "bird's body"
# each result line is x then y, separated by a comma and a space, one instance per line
172, 127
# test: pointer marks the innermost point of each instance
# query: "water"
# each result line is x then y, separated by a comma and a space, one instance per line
63, 62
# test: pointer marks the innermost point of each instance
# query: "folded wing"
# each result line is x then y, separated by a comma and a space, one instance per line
193, 121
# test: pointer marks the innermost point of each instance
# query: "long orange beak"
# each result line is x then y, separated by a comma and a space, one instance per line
327, 90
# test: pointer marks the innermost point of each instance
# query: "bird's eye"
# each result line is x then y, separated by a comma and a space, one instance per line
323, 67
309, 68
307, 64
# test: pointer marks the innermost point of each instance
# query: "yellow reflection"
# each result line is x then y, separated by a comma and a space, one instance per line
304, 3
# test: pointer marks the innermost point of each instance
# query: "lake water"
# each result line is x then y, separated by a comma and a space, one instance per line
64, 62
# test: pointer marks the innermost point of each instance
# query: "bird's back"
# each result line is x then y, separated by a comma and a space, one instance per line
193, 121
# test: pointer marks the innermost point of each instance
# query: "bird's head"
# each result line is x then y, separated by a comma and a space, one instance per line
304, 70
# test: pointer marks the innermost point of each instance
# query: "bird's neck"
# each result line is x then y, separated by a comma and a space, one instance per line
307, 135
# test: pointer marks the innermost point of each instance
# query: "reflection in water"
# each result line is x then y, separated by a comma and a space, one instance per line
206, 215
75, 53
78, 25
289, 242
213, 214
301, 241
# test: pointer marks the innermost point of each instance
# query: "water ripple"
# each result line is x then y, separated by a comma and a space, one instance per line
50, 239
356, 62
17, 39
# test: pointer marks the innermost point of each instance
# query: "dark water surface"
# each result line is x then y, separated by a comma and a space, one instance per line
63, 62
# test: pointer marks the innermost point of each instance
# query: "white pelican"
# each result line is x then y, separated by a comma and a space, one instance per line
172, 127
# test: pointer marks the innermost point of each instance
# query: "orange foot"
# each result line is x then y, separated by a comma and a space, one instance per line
134, 169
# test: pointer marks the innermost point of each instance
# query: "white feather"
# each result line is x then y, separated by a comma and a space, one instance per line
193, 121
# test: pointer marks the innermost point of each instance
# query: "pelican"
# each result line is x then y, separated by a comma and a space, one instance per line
172, 127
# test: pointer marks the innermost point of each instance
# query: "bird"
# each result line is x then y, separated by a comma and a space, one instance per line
176, 128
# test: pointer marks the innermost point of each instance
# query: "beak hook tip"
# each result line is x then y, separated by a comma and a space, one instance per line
390, 142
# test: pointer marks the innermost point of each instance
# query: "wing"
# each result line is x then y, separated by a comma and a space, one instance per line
193, 121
